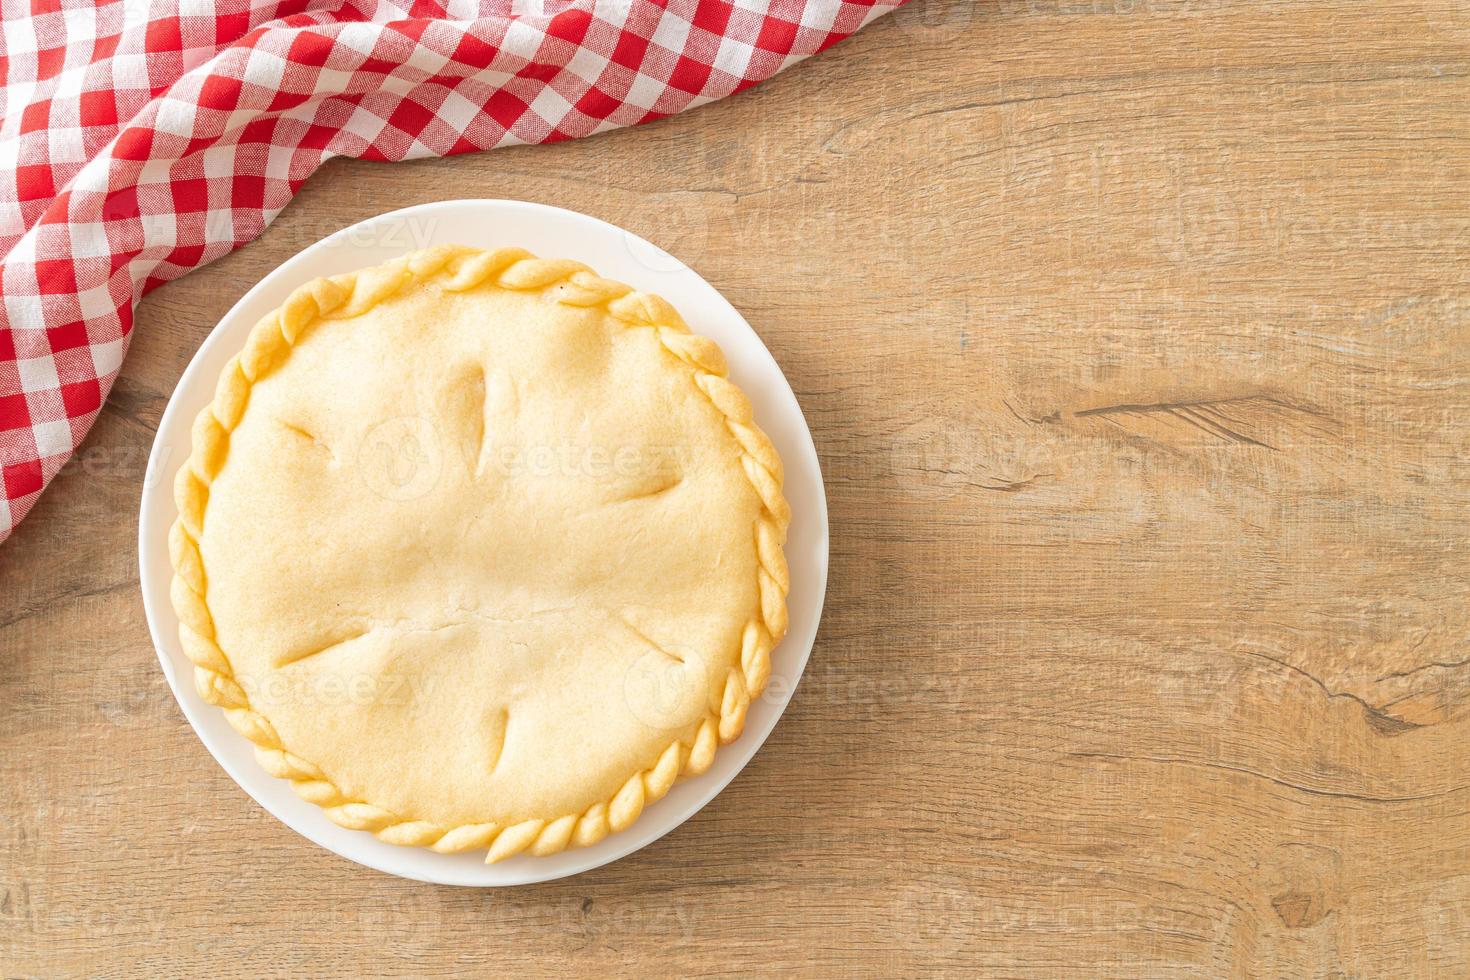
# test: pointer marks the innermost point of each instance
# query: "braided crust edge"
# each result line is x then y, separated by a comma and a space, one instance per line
457, 269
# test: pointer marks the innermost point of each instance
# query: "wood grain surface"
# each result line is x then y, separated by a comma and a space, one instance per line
1135, 338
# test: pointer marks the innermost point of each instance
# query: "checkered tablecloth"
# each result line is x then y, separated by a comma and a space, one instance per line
140, 139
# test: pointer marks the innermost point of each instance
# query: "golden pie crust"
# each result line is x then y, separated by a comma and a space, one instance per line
480, 550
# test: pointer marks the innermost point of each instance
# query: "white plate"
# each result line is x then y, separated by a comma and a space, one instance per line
552, 233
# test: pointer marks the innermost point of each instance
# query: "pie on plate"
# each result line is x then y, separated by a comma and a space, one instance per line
481, 551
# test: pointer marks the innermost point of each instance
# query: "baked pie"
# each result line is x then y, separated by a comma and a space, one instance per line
481, 550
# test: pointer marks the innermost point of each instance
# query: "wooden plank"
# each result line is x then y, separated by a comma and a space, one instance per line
1135, 337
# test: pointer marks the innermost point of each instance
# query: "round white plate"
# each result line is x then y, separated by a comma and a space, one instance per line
552, 233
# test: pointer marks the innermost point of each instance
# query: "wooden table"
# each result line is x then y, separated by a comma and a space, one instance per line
1135, 337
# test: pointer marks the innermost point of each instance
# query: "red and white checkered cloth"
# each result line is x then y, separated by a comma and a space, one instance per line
140, 139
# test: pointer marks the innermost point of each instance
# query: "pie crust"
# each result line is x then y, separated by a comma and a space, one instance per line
480, 550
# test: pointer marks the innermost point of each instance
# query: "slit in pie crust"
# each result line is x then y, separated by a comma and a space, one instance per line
480, 550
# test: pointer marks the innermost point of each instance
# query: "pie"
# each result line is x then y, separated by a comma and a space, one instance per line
480, 550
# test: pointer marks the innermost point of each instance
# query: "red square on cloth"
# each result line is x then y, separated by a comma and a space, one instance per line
81, 397
67, 336
33, 182
22, 478
776, 35
13, 412
56, 276
99, 109
190, 195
